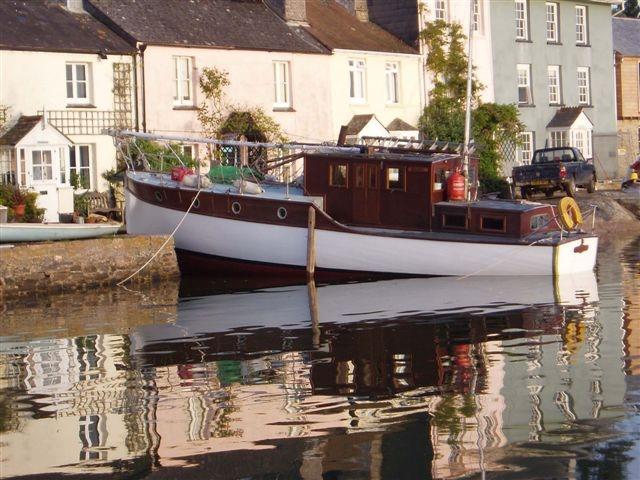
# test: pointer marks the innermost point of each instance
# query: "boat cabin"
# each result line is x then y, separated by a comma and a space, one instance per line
408, 191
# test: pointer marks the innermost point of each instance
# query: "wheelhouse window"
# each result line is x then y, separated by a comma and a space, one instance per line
555, 88
525, 149
524, 85
539, 221
359, 176
582, 35
454, 220
493, 224
183, 87
338, 175
80, 166
77, 82
392, 73
395, 178
584, 94
357, 92
552, 22
522, 20
42, 165
441, 9
282, 85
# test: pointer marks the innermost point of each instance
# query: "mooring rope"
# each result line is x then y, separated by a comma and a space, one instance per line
121, 282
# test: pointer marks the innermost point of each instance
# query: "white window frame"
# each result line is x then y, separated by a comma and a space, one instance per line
551, 16
583, 83
189, 146
74, 82
582, 25
42, 166
78, 168
282, 85
526, 68
440, 10
522, 19
182, 81
357, 80
392, 76
477, 16
525, 148
554, 82
558, 138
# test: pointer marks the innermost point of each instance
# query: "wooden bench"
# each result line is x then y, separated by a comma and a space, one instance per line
102, 204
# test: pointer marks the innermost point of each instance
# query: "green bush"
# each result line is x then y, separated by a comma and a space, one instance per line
10, 196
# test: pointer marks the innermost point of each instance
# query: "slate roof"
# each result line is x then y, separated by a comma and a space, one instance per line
43, 25
565, 117
358, 122
229, 24
397, 124
16, 133
336, 28
626, 36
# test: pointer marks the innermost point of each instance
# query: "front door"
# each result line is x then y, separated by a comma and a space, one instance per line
366, 194
44, 172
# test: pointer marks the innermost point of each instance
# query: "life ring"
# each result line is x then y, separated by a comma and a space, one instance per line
569, 213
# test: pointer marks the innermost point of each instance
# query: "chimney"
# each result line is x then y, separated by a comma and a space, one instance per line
292, 11
361, 10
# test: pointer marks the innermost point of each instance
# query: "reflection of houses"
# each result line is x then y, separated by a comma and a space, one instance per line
60, 59
626, 45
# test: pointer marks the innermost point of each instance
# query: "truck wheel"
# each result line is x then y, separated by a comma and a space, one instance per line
570, 188
549, 192
591, 186
525, 193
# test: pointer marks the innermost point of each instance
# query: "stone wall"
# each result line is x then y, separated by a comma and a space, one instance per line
60, 267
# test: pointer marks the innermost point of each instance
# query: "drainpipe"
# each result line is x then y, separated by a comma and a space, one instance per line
134, 57
142, 48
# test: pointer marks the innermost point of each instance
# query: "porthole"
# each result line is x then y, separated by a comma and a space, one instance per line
159, 196
236, 208
282, 213
196, 203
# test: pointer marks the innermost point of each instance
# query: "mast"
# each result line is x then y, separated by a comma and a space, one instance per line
467, 116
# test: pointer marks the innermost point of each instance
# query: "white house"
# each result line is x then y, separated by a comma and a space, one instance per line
58, 61
271, 64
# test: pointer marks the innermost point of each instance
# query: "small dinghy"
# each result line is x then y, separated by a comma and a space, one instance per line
40, 232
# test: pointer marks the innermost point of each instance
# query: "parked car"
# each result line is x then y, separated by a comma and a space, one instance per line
551, 169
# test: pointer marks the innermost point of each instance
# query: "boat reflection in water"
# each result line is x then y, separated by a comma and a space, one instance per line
365, 379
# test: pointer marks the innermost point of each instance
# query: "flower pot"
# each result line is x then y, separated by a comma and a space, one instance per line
18, 210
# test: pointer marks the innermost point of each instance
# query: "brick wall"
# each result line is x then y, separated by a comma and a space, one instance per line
59, 267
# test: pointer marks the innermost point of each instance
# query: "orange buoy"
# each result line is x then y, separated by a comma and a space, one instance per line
455, 187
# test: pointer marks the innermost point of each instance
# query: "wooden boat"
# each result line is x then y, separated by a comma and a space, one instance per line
367, 210
40, 232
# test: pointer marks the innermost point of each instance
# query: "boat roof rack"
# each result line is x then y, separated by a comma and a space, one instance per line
440, 146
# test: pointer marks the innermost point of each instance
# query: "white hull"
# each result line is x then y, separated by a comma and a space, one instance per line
40, 232
344, 251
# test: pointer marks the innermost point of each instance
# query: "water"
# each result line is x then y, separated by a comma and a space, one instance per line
412, 378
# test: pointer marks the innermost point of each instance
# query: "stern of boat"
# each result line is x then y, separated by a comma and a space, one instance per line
575, 256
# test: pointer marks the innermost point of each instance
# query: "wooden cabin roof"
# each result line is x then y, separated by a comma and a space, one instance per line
496, 205
388, 156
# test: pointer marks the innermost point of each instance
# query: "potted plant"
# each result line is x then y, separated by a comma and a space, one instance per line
19, 202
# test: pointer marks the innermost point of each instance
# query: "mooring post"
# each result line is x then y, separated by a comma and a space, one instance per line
313, 310
311, 242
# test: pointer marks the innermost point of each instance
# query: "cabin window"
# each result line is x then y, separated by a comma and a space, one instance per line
338, 175
359, 176
452, 220
373, 174
395, 178
539, 221
492, 224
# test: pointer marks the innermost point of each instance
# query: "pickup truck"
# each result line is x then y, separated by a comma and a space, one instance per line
551, 169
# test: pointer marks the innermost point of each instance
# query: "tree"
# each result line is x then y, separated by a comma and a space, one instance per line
443, 118
631, 8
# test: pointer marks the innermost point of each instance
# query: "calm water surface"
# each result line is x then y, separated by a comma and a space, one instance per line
411, 378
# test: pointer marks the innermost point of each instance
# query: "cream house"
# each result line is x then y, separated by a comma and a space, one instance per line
59, 62
271, 64
372, 72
